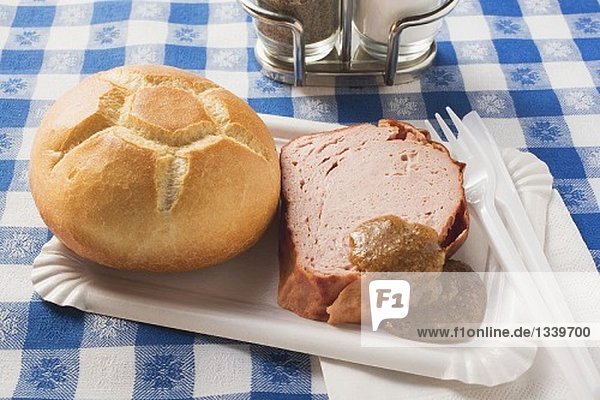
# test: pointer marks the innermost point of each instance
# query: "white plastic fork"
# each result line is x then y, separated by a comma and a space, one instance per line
480, 187
514, 213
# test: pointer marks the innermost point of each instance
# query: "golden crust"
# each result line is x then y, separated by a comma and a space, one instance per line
132, 169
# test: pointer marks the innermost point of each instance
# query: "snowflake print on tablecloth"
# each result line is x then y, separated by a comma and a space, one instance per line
267, 85
8, 324
537, 6
592, 158
474, 51
73, 15
21, 179
107, 35
465, 6
40, 111
280, 368
525, 76
13, 86
403, 106
572, 196
545, 131
144, 55
507, 26
579, 100
226, 58
108, 327
18, 245
440, 77
3, 15
588, 25
49, 373
27, 38
490, 104
227, 12
313, 108
556, 49
186, 34
149, 10
62, 61
163, 372
6, 142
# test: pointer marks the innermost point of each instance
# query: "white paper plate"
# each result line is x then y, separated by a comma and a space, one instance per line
238, 299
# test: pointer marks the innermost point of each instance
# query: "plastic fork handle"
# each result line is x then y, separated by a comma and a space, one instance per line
510, 260
517, 219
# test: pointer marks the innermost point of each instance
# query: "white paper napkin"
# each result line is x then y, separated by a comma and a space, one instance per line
566, 251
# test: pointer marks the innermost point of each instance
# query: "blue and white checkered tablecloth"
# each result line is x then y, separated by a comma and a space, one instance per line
530, 67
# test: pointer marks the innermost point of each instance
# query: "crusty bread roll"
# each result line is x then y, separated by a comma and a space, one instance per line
154, 168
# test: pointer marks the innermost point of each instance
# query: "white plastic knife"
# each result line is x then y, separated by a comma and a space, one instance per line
511, 208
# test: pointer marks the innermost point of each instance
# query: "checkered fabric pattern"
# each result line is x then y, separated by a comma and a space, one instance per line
530, 67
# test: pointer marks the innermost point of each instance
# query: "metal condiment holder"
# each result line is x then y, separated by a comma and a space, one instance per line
341, 67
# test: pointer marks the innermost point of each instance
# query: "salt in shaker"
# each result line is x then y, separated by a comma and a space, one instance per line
373, 19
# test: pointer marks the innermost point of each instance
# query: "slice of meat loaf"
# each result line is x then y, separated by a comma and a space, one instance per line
334, 181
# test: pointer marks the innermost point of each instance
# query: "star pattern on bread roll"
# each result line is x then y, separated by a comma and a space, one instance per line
154, 168
133, 109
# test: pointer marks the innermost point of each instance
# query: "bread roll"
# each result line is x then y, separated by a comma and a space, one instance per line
154, 168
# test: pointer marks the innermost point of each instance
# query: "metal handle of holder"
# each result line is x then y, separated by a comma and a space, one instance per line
346, 11
391, 62
299, 48
292, 23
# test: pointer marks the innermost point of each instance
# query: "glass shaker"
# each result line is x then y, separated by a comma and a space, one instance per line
320, 20
374, 18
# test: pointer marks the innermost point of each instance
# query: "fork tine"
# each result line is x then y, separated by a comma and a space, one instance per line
454, 147
455, 119
465, 132
434, 135
462, 144
446, 129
